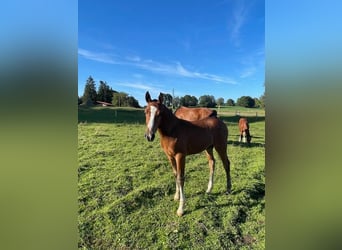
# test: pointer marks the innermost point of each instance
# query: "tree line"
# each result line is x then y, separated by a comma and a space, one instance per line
105, 94
210, 101
121, 99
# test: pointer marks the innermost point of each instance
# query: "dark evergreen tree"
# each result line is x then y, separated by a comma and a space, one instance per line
104, 93
89, 95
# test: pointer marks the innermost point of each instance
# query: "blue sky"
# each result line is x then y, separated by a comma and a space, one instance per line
203, 47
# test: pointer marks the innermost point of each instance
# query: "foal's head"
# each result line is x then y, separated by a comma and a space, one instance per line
152, 114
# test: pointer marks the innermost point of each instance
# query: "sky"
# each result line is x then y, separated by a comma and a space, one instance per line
180, 47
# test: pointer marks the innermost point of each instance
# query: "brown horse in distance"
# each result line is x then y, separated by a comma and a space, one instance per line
194, 114
179, 138
244, 131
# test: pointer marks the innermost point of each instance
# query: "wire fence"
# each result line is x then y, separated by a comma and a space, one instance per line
258, 113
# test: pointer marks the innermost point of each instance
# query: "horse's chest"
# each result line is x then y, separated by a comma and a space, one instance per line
169, 146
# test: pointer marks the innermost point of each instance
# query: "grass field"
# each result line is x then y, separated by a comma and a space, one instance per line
126, 188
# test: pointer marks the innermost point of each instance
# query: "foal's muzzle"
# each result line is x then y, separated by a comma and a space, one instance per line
149, 137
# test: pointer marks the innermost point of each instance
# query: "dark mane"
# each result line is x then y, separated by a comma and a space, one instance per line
213, 114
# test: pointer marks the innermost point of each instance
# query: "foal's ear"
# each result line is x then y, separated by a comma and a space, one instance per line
147, 97
160, 98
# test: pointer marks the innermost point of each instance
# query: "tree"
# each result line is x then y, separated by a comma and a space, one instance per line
207, 101
122, 99
262, 100
183, 101
193, 101
119, 99
176, 102
167, 100
132, 102
79, 100
245, 101
188, 100
104, 93
230, 102
89, 95
257, 103
220, 101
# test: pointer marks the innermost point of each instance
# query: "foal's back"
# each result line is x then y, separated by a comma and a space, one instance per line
197, 136
194, 114
243, 124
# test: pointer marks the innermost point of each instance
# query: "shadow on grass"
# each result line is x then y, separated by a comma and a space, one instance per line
207, 201
249, 197
245, 145
236, 118
133, 115
110, 115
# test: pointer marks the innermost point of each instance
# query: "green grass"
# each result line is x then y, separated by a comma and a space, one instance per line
126, 189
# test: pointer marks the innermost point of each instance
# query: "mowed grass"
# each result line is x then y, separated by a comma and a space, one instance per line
126, 189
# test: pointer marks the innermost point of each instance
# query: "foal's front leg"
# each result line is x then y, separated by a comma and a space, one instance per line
174, 169
180, 160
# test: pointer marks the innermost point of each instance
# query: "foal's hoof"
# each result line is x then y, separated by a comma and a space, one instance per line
227, 192
180, 210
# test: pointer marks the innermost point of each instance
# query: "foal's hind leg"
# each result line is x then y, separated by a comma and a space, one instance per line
222, 151
211, 160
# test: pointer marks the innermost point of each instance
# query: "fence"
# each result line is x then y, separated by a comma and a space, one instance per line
258, 113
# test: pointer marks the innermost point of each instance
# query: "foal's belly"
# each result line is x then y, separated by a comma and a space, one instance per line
198, 145
192, 145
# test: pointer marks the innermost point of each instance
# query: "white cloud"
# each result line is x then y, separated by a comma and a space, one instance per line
239, 17
136, 86
140, 89
248, 72
175, 69
139, 76
183, 72
252, 63
133, 58
99, 57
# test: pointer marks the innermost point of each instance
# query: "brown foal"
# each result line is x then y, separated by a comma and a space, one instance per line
180, 138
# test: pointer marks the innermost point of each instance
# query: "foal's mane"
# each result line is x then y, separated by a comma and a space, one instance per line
168, 111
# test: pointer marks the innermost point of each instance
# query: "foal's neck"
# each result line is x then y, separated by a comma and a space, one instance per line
168, 122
